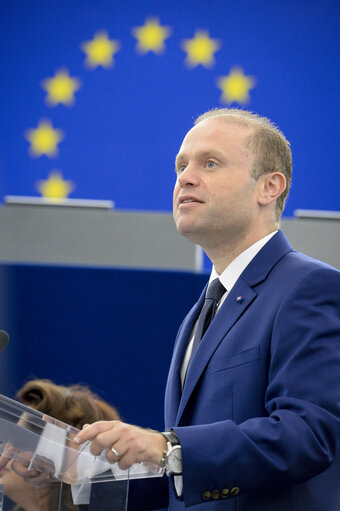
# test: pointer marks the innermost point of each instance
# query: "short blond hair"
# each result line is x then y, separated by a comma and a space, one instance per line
267, 143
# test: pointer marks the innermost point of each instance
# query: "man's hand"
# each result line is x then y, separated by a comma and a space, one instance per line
132, 443
20, 464
32, 476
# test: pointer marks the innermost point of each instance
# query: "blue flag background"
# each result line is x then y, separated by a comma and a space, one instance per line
117, 135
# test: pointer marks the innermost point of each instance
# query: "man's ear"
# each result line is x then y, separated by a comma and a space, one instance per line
270, 187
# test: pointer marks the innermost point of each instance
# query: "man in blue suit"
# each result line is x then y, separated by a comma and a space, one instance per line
252, 405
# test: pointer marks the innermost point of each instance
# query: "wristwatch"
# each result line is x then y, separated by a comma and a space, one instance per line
172, 456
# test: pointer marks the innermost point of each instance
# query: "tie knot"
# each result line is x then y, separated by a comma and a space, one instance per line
215, 290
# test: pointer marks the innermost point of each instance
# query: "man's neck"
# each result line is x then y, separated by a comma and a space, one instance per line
222, 255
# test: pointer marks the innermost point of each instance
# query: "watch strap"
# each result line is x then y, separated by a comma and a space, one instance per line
170, 436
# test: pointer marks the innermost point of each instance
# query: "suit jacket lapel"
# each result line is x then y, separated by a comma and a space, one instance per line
226, 317
173, 389
230, 312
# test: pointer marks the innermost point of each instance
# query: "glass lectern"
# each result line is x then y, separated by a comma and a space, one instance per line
45, 444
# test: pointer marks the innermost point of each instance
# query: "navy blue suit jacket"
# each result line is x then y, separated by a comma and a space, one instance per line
259, 415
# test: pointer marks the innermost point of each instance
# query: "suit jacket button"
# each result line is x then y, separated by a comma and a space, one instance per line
224, 493
215, 494
206, 495
235, 491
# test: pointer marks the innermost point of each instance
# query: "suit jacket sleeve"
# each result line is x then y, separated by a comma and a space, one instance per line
298, 436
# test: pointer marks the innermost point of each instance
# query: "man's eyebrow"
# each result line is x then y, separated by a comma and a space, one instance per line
179, 157
203, 154
212, 152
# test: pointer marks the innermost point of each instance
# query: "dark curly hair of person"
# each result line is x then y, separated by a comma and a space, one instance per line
74, 404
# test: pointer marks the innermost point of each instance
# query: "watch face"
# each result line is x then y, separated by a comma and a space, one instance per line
174, 460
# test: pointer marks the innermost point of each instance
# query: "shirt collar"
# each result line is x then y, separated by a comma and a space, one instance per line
232, 272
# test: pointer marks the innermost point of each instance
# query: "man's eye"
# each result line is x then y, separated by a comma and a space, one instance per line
211, 164
180, 168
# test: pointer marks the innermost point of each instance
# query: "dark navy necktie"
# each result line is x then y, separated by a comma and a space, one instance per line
213, 295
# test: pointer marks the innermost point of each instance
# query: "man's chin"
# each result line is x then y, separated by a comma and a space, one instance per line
189, 231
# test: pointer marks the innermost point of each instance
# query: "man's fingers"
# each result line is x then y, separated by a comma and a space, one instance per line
31, 476
91, 431
22, 470
125, 459
116, 452
103, 441
4, 460
7, 455
123, 442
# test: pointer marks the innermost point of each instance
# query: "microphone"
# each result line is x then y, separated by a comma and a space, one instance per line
4, 338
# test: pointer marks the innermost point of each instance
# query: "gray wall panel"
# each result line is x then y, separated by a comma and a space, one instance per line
99, 237
85, 236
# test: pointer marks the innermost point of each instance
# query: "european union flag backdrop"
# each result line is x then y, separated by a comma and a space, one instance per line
96, 95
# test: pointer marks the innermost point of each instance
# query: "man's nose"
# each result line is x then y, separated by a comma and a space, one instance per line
188, 176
